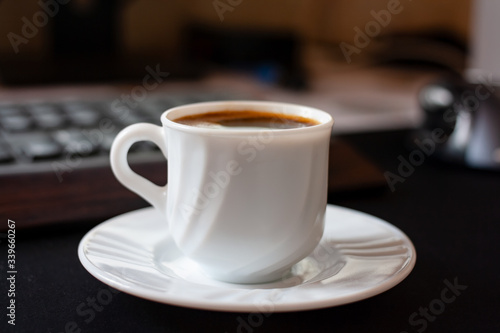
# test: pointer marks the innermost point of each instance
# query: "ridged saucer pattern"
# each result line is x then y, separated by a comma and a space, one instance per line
358, 257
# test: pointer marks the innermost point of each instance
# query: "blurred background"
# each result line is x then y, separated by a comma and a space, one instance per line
91, 40
66, 64
340, 48
130, 30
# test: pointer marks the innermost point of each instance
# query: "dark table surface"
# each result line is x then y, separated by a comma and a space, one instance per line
452, 215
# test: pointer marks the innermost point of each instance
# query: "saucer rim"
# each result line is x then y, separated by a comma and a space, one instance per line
231, 306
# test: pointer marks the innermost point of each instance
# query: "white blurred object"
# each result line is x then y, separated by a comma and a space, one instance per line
484, 61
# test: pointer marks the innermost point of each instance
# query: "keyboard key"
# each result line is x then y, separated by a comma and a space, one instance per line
103, 135
16, 123
46, 116
42, 149
75, 142
38, 145
48, 121
83, 117
10, 110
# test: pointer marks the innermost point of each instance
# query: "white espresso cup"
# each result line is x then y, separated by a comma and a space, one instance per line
244, 203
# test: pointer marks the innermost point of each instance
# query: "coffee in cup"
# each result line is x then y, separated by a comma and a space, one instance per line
246, 119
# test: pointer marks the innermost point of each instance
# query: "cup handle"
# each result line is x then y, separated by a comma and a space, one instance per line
154, 194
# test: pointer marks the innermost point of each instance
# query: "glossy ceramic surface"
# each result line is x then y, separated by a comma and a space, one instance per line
244, 203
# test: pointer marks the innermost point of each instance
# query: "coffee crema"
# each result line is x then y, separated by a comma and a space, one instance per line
246, 119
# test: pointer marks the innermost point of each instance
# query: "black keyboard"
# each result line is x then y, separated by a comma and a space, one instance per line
54, 156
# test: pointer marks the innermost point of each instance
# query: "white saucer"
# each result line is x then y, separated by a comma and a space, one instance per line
358, 257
